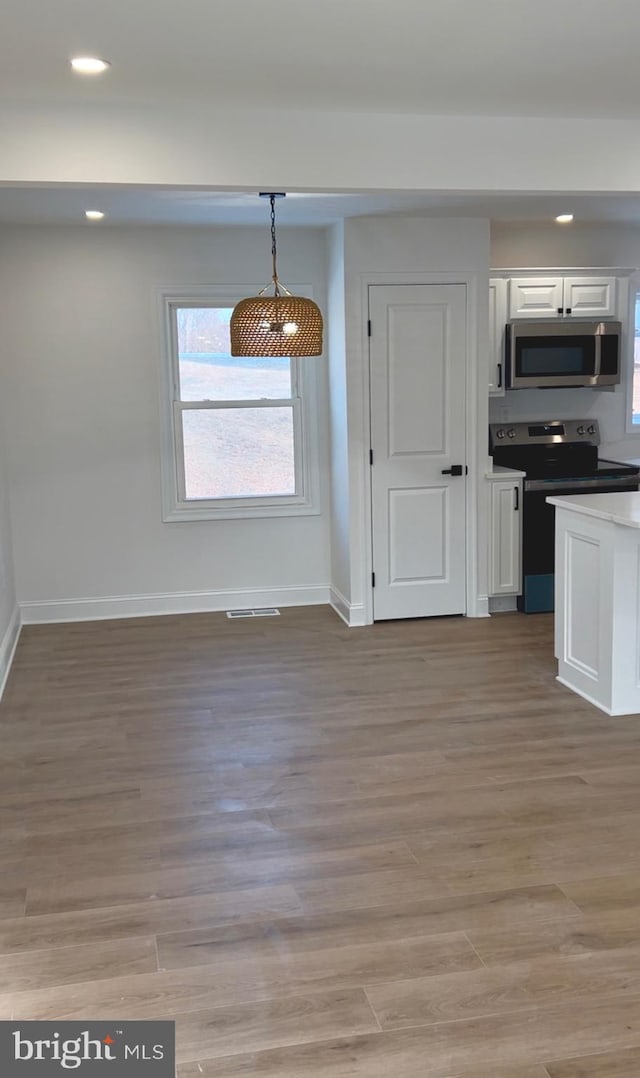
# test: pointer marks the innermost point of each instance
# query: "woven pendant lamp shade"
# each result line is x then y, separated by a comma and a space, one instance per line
277, 325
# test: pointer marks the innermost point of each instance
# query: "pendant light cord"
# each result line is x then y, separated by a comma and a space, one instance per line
279, 289
276, 283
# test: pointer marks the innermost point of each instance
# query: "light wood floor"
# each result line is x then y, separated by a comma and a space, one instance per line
398, 851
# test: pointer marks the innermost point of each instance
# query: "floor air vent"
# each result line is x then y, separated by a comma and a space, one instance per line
258, 612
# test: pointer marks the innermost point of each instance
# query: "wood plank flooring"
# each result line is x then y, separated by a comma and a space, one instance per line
330, 853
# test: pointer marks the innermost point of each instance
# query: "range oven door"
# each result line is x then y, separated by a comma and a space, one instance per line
538, 534
546, 354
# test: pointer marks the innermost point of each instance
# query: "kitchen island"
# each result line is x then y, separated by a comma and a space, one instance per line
597, 598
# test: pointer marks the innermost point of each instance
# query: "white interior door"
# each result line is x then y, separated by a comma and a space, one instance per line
418, 374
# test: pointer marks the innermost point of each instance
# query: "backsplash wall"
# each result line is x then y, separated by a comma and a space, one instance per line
602, 404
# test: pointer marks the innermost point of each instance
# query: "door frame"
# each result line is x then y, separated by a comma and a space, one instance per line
477, 419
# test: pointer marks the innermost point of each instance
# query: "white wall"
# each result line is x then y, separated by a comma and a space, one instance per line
340, 496
408, 250
82, 352
526, 245
9, 620
534, 244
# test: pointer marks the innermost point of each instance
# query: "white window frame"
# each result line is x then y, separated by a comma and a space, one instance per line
632, 428
304, 396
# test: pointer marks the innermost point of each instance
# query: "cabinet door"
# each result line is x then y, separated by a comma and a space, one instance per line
506, 538
535, 297
589, 297
497, 319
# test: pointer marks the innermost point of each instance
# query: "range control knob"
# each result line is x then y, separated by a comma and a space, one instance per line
500, 433
581, 430
511, 433
592, 429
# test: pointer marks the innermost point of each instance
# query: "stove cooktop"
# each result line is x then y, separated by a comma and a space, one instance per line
569, 468
615, 467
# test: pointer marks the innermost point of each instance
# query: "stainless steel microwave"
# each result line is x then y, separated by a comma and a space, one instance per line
562, 353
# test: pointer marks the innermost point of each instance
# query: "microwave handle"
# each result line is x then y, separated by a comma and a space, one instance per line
598, 355
510, 357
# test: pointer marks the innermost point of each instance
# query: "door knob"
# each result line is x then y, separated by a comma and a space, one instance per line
455, 469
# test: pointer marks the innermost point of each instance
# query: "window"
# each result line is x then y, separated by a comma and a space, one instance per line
635, 382
236, 424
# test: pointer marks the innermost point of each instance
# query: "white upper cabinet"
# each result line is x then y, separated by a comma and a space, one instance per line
497, 319
535, 297
566, 297
590, 297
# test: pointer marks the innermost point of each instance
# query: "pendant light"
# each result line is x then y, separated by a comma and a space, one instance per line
277, 325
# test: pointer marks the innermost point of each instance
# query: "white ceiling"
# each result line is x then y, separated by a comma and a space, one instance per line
474, 57
577, 58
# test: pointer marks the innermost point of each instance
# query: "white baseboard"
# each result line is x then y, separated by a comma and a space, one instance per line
351, 613
188, 602
501, 604
8, 646
592, 700
479, 609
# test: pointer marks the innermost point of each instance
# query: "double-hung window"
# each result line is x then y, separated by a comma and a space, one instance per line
238, 442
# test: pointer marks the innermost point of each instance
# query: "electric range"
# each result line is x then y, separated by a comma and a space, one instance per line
558, 456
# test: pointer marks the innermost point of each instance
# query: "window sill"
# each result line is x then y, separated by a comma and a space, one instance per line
179, 515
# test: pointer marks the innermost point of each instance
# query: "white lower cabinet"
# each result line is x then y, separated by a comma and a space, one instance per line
597, 582
505, 538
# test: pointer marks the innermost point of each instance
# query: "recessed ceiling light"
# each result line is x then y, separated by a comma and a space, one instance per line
89, 65
94, 215
564, 218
